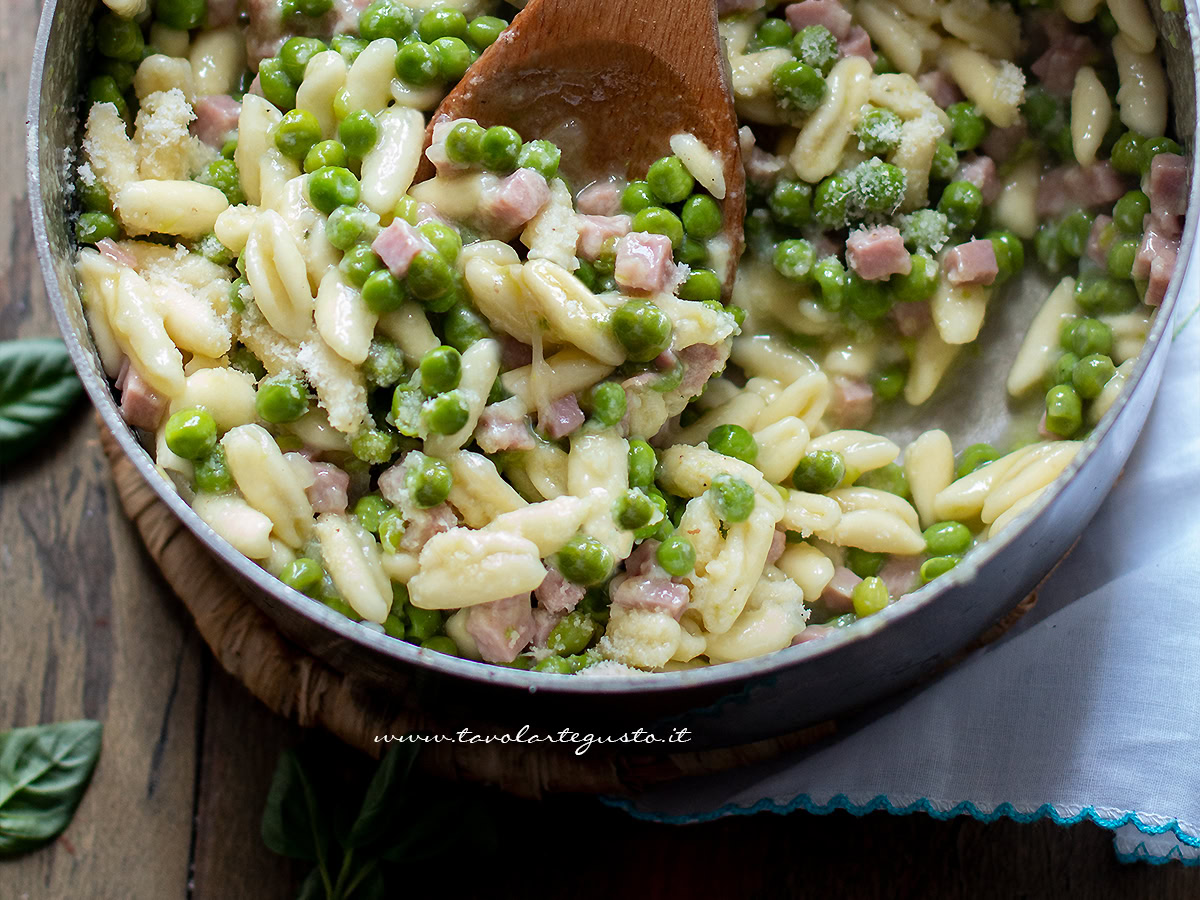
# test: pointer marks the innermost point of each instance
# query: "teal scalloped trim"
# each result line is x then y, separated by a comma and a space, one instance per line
881, 802
1141, 854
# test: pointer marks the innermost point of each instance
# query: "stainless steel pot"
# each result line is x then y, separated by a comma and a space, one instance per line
724, 704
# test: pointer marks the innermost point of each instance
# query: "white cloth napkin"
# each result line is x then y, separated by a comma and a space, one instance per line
1088, 708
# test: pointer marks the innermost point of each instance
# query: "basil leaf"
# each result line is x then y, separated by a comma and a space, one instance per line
292, 825
371, 886
313, 887
44, 771
38, 386
381, 804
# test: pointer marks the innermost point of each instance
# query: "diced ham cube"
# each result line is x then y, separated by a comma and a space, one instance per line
543, 623
651, 594
594, 231
838, 595
1052, 196
502, 628
141, 405
812, 633
1100, 238
1063, 59
730, 6
1170, 227
645, 262
941, 88
911, 317
1155, 259
1161, 269
971, 263
255, 87
1075, 186
556, 594
423, 524
1168, 184
763, 168
329, 492
877, 253
216, 116
981, 172
852, 403
514, 353
118, 254
398, 245
643, 559
829, 13
857, 43
1154, 245
700, 363
514, 201
221, 13
899, 574
778, 545
503, 427
1001, 143
601, 198
561, 417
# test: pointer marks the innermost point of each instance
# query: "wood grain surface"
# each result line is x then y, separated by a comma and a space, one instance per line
87, 628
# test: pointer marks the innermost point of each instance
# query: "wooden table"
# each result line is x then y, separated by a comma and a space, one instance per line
87, 629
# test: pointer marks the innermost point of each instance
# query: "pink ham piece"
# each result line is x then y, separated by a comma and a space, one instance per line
1154, 245
763, 168
330, 489
543, 623
941, 88
829, 13
857, 43
877, 253
500, 429
1001, 143
1155, 259
643, 560
594, 231
141, 405
1161, 269
268, 29
221, 13
853, 402
1100, 238
118, 254
838, 594
731, 6
1075, 186
700, 363
1063, 59
398, 245
971, 263
502, 628
556, 594
645, 262
514, 201
561, 417
813, 633
1170, 227
424, 524
601, 198
650, 594
981, 172
911, 317
899, 574
216, 116
778, 545
514, 353
1167, 185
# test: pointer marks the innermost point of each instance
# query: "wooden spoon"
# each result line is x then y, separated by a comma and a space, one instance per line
610, 82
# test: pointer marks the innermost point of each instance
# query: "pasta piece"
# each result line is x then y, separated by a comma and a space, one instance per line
574, 314
929, 468
171, 41
1130, 331
993, 28
640, 638
159, 72
819, 146
480, 366
744, 409
963, 500
1035, 470
958, 310
340, 386
1006, 518
1016, 206
128, 9
876, 531
369, 81
861, 450
268, 482
401, 567
410, 329
914, 155
1142, 97
997, 87
705, 165
806, 398
811, 569
751, 72
694, 323
692, 641
1109, 393
281, 554
412, 97
500, 296
769, 356
774, 615
108, 148
461, 568
98, 275
184, 208
233, 225
904, 39
853, 358
1080, 11
389, 166
931, 358
808, 514
549, 524
566, 372
781, 446
479, 494
856, 498
344, 321
276, 271
192, 324
226, 393
598, 468
256, 125
276, 173
314, 431
553, 233
1135, 25
218, 58
496, 252
1091, 113
248, 530
350, 554
1040, 348
904, 96
137, 322
324, 78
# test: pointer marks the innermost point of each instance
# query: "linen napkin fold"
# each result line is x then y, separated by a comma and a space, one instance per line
1089, 708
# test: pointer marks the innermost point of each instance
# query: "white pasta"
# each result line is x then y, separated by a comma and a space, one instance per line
805, 398
109, 150
853, 499
769, 356
159, 72
344, 321
314, 431
409, 328
638, 637
233, 225
572, 312
773, 616
1109, 393
1135, 24
323, 80
566, 372
268, 482
549, 524
553, 233
931, 359
1033, 471
461, 568
902, 37
1091, 113
751, 72
963, 500
1142, 97
1130, 331
351, 557
808, 514
479, 494
1040, 348
743, 409
1016, 206
137, 322
597, 467
929, 468
993, 28
389, 167
99, 277
914, 155
248, 530
781, 446
184, 208
191, 322
861, 450
958, 310
811, 569
498, 293
369, 81
996, 87
276, 271
821, 141
218, 58
705, 165
255, 127
226, 393
1080, 10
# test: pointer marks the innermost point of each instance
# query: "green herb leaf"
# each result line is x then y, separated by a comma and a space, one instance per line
44, 771
369, 884
381, 804
292, 825
37, 386
313, 887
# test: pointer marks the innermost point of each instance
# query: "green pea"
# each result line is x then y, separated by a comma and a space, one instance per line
967, 126
869, 300
791, 203
428, 481
348, 46
384, 365
93, 227
430, 276
830, 200
358, 263
423, 624
735, 441
302, 574
961, 203
658, 526
925, 229
937, 566
454, 57
642, 463
391, 530
462, 327
119, 38
439, 643
223, 175
794, 259
345, 226
1127, 154
798, 86
296, 133
332, 186
919, 283
1040, 109
243, 360
94, 197
541, 156
369, 509
464, 143
1091, 374
276, 85
701, 216
358, 133
572, 634
1073, 232
1130, 210
863, 563
815, 45
1060, 372
1064, 410
772, 32
383, 292
211, 248
642, 329
296, 53
1010, 254
446, 413
211, 474
869, 597
385, 19
636, 197
314, 9
880, 186
584, 560
878, 131
444, 238
119, 71
829, 275
947, 538
1121, 254
1097, 293
1151, 147
374, 446
500, 149
732, 498
418, 64
554, 665
890, 478
676, 554
1049, 251
669, 180
441, 370
325, 153
191, 433
945, 162
483, 31
702, 285
608, 403
975, 457
819, 471
657, 220
103, 89
439, 23
1086, 336
281, 398
633, 510
889, 382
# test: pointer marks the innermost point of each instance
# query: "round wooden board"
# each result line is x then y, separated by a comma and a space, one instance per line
297, 685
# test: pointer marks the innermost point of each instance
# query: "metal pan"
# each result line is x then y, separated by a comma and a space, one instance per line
725, 704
